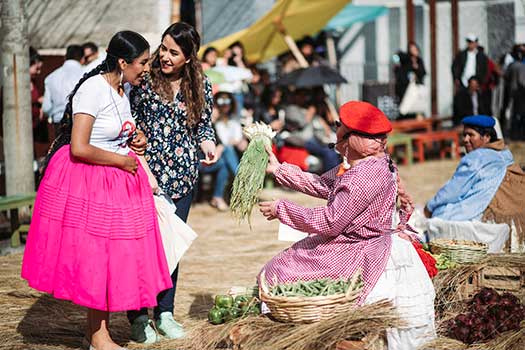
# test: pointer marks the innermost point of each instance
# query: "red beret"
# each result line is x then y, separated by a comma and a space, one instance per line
364, 118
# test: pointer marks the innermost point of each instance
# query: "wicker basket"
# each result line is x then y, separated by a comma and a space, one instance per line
460, 251
309, 309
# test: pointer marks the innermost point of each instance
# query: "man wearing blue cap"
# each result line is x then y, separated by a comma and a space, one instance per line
478, 176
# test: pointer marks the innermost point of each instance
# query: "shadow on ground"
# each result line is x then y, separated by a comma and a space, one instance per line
60, 323
200, 306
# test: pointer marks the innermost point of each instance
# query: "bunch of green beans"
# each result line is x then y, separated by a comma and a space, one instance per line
321, 287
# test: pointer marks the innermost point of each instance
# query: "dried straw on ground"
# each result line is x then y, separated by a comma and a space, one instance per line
260, 333
225, 254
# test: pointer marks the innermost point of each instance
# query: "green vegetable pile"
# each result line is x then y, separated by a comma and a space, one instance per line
228, 308
443, 262
321, 287
251, 171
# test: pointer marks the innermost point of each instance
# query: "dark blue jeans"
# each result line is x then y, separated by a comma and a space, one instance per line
166, 299
226, 165
328, 156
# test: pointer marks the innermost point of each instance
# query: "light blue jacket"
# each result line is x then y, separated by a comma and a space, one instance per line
468, 193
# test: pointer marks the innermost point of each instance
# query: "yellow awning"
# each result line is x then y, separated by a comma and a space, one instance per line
263, 41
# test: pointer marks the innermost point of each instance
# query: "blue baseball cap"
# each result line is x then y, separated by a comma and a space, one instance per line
483, 121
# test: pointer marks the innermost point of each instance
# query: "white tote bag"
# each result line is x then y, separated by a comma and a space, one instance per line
415, 99
177, 236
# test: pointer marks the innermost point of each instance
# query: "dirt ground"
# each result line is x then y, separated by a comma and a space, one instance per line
225, 254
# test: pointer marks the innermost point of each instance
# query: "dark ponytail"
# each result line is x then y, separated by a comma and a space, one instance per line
127, 45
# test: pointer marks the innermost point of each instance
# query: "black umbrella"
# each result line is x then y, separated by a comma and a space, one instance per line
311, 76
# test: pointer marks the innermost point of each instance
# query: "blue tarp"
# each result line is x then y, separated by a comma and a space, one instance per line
351, 14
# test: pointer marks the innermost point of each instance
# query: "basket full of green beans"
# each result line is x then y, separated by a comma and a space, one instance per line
310, 301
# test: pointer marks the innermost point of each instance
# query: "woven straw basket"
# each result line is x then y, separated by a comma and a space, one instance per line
460, 251
309, 309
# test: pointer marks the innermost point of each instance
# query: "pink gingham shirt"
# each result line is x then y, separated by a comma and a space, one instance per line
352, 231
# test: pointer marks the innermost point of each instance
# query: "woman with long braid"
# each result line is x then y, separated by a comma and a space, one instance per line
94, 237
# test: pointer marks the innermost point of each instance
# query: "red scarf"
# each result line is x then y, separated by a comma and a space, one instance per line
427, 259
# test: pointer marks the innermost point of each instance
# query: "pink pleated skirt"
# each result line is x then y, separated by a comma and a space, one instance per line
94, 238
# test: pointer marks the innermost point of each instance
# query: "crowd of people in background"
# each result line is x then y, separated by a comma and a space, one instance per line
484, 86
47, 107
243, 92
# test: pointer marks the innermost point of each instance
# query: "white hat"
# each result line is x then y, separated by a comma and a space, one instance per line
472, 37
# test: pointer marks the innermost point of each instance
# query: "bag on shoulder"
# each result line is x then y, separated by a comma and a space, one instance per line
415, 99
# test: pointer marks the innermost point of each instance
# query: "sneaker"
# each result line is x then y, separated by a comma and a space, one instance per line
168, 327
142, 330
219, 204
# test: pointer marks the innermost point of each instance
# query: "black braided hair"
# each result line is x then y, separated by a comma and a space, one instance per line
66, 123
127, 45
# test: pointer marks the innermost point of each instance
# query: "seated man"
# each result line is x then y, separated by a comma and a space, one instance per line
467, 195
478, 176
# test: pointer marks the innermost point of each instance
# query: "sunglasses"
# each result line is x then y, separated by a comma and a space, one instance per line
338, 124
223, 101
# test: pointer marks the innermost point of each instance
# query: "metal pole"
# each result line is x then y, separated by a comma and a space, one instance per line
433, 59
17, 121
410, 20
300, 58
332, 59
175, 11
454, 11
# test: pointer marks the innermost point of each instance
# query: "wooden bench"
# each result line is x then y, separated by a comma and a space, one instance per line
405, 140
425, 138
410, 125
13, 203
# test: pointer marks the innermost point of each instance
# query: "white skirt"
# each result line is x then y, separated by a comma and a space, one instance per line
406, 283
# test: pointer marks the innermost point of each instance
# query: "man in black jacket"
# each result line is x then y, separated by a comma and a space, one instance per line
468, 63
470, 101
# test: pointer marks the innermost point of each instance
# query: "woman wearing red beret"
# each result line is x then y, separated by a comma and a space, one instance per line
357, 229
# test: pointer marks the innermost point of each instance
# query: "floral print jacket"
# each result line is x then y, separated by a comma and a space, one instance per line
173, 145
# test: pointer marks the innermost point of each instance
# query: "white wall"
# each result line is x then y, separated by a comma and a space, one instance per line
352, 63
519, 9
54, 24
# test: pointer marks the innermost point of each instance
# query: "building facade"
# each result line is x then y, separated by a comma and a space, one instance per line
367, 49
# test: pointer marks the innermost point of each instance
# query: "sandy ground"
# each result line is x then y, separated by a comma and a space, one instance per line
225, 254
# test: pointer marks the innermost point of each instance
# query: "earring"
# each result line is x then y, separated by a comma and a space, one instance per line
346, 165
121, 78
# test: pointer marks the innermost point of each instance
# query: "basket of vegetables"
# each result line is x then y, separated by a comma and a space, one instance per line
312, 301
459, 251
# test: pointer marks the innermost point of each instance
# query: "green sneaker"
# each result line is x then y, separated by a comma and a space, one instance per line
168, 327
142, 330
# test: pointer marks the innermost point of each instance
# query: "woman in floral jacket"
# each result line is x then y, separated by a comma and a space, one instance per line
173, 107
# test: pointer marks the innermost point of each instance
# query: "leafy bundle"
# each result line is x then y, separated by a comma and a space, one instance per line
251, 171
